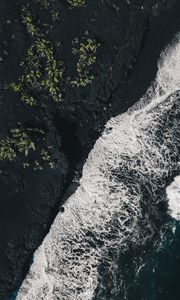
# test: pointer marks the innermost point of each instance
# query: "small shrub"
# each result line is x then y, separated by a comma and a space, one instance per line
25, 140
20, 140
76, 3
6, 150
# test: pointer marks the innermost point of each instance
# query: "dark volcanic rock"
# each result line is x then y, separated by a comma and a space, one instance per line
31, 199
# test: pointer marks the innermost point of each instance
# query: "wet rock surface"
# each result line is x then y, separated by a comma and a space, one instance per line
30, 199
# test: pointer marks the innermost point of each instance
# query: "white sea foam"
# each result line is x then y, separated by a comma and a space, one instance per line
136, 152
173, 193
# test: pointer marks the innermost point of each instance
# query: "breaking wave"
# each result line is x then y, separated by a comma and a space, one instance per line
116, 206
173, 193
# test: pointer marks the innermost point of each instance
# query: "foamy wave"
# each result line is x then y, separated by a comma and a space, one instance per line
129, 163
173, 193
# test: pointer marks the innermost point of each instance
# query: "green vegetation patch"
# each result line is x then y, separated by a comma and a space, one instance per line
44, 74
20, 140
7, 152
30, 143
76, 3
86, 52
44, 78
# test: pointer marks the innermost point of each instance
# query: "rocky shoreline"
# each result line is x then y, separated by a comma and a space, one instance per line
131, 36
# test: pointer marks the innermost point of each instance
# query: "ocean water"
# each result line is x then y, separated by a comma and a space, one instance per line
117, 230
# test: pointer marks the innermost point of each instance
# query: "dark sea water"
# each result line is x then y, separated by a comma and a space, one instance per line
158, 278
